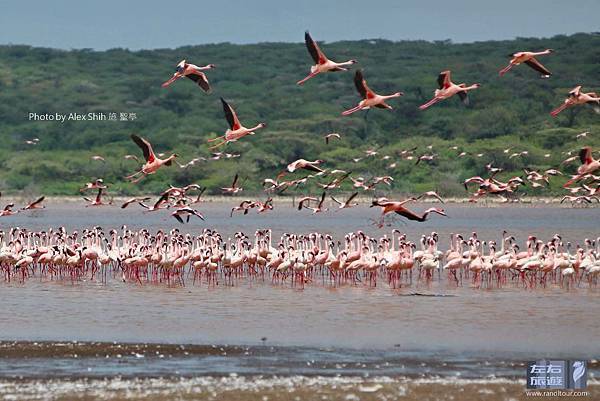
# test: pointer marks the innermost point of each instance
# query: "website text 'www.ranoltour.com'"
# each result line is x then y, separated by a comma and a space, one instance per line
556, 393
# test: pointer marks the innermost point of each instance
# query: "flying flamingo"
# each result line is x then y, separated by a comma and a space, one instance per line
153, 163
529, 59
305, 165
98, 200
319, 208
323, 64
245, 206
265, 206
370, 98
588, 165
7, 211
236, 129
99, 183
348, 203
188, 212
134, 200
329, 136
398, 207
233, 189
447, 89
161, 203
577, 97
192, 72
37, 204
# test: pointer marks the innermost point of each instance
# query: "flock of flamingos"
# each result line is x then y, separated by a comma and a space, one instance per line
296, 260
312, 258
587, 191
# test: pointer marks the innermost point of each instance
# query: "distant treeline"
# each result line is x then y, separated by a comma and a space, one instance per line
260, 82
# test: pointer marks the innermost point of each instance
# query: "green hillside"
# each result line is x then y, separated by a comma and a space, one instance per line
260, 82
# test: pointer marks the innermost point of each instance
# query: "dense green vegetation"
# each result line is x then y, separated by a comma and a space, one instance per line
259, 81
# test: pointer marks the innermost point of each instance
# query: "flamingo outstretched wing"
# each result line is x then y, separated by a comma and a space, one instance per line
444, 79
315, 52
536, 65
361, 86
585, 155
145, 146
200, 79
230, 115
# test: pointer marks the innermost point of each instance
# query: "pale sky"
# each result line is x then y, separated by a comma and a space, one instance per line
151, 24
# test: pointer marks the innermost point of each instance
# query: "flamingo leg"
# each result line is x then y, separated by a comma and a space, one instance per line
573, 180
309, 76
555, 112
170, 81
505, 69
218, 145
429, 103
352, 110
215, 139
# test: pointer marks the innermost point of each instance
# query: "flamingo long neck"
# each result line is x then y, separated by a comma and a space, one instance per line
393, 95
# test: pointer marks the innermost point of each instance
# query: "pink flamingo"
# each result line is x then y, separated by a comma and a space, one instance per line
588, 165
98, 200
370, 98
192, 72
529, 59
577, 97
236, 129
37, 204
323, 64
447, 89
153, 163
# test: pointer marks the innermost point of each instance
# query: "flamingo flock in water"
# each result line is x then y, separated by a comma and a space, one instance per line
296, 259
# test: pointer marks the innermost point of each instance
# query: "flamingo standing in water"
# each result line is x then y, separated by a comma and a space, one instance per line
153, 163
192, 72
370, 98
577, 97
323, 64
529, 59
236, 129
398, 207
588, 165
447, 89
